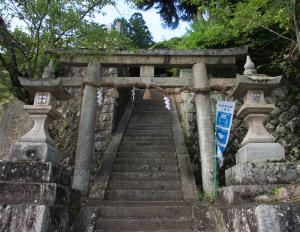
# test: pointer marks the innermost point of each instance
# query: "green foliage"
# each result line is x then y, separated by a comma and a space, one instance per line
47, 24
202, 196
136, 31
6, 90
276, 191
139, 33
266, 26
170, 11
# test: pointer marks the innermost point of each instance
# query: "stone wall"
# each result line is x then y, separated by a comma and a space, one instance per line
14, 122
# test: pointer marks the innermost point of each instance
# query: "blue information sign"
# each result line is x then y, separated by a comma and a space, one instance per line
224, 115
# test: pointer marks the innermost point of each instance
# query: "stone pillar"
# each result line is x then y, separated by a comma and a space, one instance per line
205, 127
85, 140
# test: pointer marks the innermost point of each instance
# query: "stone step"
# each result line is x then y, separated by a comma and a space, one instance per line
162, 119
147, 153
157, 224
145, 168
147, 143
143, 195
149, 160
142, 185
149, 127
148, 139
146, 133
149, 121
143, 176
153, 123
152, 135
136, 211
133, 155
149, 131
150, 115
151, 109
141, 116
146, 148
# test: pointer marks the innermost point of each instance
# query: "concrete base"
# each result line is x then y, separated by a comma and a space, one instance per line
26, 151
237, 194
260, 152
38, 218
261, 173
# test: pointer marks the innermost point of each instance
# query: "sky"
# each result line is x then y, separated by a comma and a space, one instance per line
151, 17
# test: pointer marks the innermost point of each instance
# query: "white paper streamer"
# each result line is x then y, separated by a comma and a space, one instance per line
99, 97
167, 103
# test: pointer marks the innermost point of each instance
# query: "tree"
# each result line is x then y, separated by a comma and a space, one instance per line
50, 23
170, 11
136, 30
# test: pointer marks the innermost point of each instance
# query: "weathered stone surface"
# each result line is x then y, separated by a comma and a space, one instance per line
86, 220
34, 151
14, 122
260, 152
85, 142
36, 172
205, 127
261, 173
37, 193
36, 218
205, 222
240, 194
286, 193
259, 218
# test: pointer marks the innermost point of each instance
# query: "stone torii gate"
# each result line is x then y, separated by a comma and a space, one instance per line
201, 61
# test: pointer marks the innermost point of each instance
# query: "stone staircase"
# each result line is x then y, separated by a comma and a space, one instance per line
144, 192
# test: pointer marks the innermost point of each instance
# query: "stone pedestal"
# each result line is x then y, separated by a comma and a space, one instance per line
260, 152
37, 191
260, 162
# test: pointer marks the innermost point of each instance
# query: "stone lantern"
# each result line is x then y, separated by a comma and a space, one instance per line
37, 144
260, 164
258, 145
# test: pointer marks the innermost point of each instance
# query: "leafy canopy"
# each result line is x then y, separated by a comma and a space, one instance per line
43, 24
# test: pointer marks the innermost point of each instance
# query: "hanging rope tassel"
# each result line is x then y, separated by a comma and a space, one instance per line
114, 92
147, 94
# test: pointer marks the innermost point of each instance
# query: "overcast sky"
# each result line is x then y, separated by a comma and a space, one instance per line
152, 19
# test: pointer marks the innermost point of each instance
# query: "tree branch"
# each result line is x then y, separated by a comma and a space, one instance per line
80, 19
9, 44
276, 33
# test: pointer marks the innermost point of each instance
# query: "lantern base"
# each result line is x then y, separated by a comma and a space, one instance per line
260, 152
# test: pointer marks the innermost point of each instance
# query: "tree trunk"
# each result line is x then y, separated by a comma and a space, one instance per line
297, 22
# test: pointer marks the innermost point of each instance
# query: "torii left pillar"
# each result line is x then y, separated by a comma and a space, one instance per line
87, 123
205, 127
